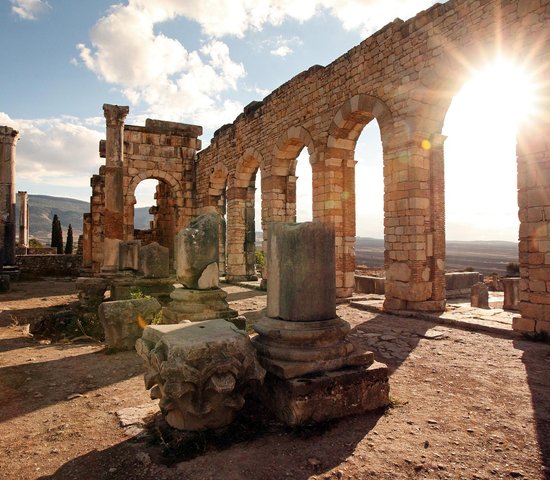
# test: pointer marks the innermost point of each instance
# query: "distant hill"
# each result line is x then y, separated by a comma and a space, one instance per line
483, 256
42, 208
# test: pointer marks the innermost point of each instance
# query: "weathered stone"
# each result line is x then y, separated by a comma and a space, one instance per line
479, 295
200, 371
8, 141
328, 395
124, 320
210, 277
154, 261
459, 284
369, 284
511, 293
301, 283
4, 283
197, 305
196, 249
91, 292
128, 255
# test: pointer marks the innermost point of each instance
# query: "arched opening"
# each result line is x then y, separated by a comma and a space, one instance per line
154, 213
304, 185
350, 189
481, 174
369, 201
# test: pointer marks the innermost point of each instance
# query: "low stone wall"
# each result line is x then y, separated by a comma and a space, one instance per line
49, 265
457, 284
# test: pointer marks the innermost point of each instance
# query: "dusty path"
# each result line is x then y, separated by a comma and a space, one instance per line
466, 406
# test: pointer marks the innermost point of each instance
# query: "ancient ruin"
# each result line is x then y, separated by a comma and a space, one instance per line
8, 141
199, 371
315, 372
196, 258
404, 77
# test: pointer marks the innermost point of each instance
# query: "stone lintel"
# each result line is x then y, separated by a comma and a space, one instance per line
333, 394
174, 127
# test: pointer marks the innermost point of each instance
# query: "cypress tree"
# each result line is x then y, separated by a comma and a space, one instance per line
57, 235
69, 244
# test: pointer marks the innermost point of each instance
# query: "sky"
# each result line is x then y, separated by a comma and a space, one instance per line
201, 62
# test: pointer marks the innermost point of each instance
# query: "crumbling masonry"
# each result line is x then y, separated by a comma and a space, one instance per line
405, 77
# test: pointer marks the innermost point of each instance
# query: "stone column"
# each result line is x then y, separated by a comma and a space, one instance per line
114, 198
8, 140
302, 343
23, 219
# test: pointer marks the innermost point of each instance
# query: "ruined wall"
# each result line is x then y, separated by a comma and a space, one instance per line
49, 265
160, 150
405, 77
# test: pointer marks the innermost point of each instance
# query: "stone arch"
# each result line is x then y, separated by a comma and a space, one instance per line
169, 216
335, 200
241, 227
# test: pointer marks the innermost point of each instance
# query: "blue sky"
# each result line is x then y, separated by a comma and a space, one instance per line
195, 61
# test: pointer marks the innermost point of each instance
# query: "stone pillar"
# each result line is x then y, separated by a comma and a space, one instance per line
23, 219
113, 223
302, 343
8, 140
413, 220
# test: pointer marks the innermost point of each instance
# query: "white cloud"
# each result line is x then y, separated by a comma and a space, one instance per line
159, 72
62, 150
281, 51
29, 9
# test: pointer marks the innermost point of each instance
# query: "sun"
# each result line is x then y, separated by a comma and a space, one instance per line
480, 151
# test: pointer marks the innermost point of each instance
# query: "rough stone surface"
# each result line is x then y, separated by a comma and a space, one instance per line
4, 283
124, 320
301, 284
199, 371
91, 292
197, 305
196, 249
154, 261
511, 293
128, 255
326, 396
479, 297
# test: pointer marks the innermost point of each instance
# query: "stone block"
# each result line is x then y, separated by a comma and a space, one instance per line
325, 396
542, 326
511, 293
128, 255
196, 248
200, 371
369, 284
4, 283
479, 296
301, 263
154, 261
124, 320
197, 305
522, 324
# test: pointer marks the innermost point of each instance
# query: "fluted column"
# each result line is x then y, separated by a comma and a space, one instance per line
8, 140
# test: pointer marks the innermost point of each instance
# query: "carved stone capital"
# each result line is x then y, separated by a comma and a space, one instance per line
115, 114
8, 135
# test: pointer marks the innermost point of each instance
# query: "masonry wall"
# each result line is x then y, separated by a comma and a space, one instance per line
405, 77
49, 265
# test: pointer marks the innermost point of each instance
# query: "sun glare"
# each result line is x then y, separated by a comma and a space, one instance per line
480, 152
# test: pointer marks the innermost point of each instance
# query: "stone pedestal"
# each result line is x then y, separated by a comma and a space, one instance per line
314, 372
479, 296
199, 371
197, 305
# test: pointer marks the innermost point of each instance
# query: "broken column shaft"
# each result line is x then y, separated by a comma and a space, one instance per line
8, 140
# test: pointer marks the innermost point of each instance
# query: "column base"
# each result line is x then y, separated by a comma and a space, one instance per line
328, 395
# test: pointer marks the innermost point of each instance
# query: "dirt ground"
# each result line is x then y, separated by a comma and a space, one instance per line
465, 405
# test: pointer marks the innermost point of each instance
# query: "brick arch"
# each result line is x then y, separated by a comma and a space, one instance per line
241, 227
288, 147
218, 180
353, 116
